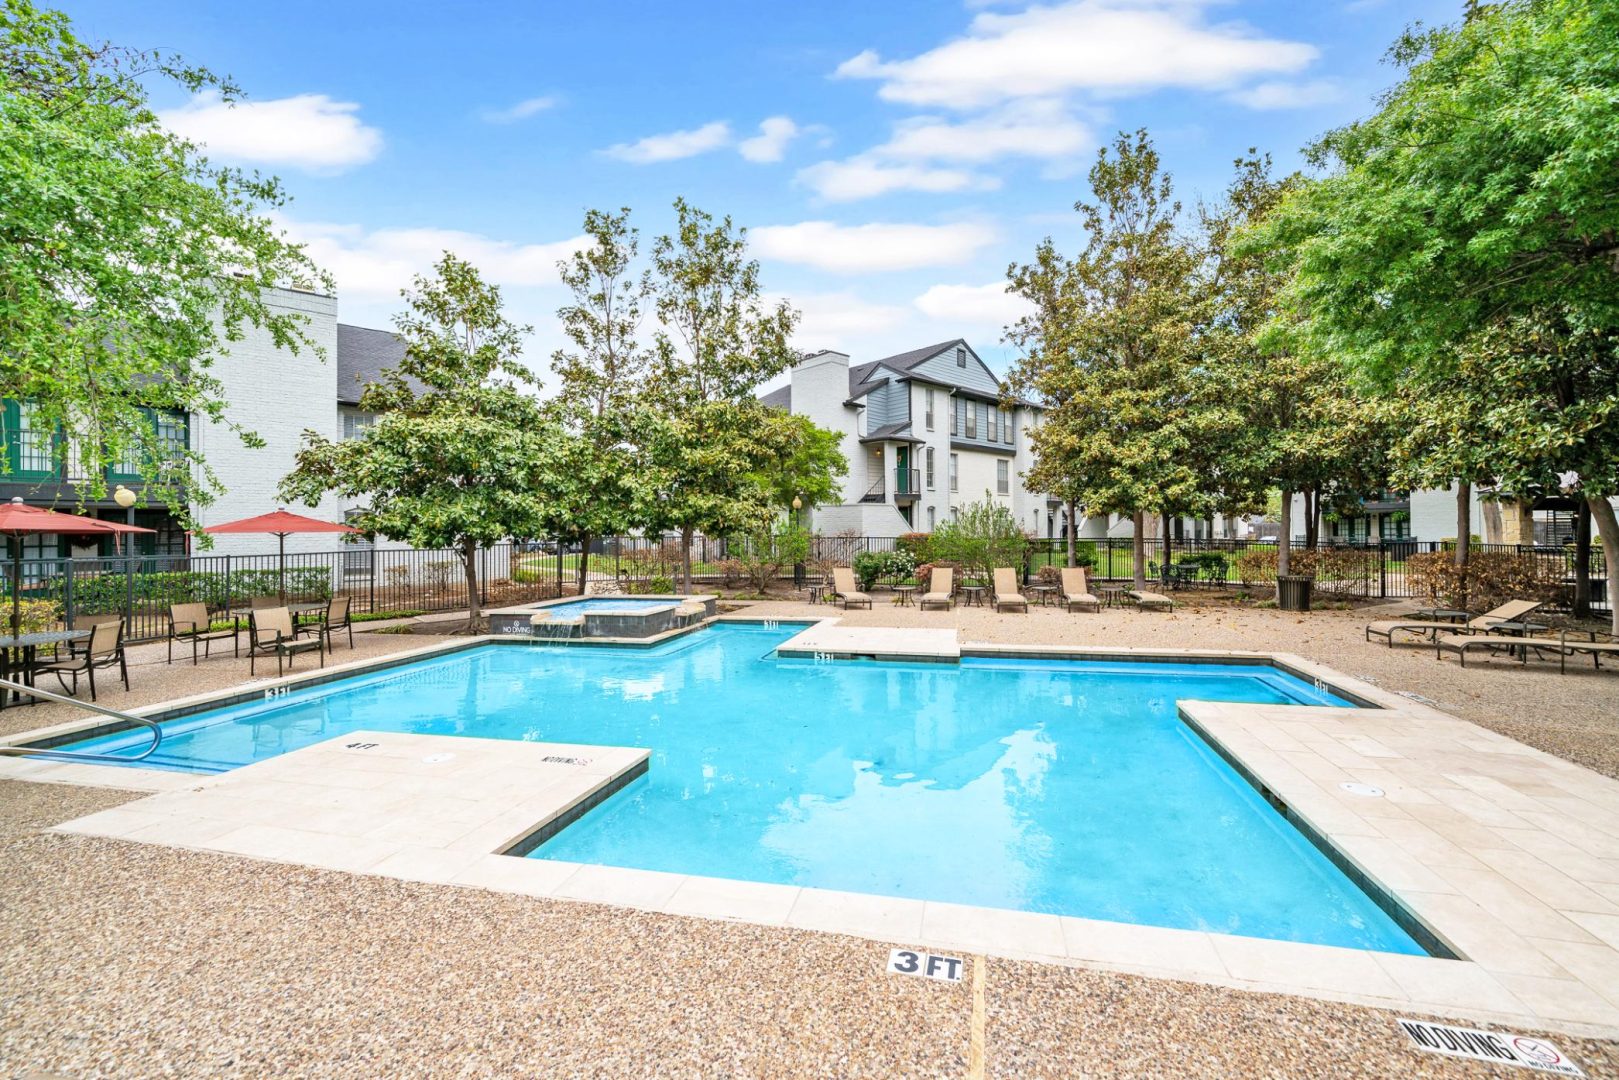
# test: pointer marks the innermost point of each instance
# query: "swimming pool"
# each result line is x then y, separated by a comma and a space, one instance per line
1039, 785
607, 604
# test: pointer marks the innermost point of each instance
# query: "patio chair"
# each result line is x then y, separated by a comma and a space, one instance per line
1596, 649
264, 603
106, 649
1510, 611
270, 630
191, 622
335, 621
1076, 593
941, 589
83, 622
1461, 643
1150, 601
843, 588
1006, 592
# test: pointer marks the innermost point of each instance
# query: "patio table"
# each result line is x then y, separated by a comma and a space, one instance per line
1042, 594
974, 595
1442, 614
18, 655
902, 594
1113, 595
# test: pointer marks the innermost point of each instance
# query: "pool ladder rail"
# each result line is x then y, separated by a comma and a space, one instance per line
8, 686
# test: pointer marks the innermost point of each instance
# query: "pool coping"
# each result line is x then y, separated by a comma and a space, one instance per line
1563, 981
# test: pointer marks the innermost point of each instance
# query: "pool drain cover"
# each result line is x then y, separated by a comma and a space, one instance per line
1367, 790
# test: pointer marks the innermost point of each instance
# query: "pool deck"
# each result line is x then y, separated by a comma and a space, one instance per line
1505, 854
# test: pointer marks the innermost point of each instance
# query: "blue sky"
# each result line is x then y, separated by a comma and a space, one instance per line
891, 158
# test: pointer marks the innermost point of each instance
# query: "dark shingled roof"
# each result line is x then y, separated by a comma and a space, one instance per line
780, 398
892, 433
905, 361
362, 356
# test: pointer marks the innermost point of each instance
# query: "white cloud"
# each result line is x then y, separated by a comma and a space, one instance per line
878, 246
863, 176
1095, 45
521, 111
673, 145
1038, 128
1289, 95
842, 320
771, 143
377, 263
307, 131
988, 305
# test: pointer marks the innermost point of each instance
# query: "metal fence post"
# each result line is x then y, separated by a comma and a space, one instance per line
129, 587
1382, 570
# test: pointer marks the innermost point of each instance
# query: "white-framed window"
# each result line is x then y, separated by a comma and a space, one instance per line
930, 468
1006, 428
961, 356
1003, 477
955, 484
928, 413
972, 420
994, 432
35, 450
931, 520
961, 417
355, 423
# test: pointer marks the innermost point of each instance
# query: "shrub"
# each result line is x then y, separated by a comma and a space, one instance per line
985, 536
658, 584
869, 566
1490, 579
105, 593
768, 554
915, 545
1342, 571
1049, 575
730, 571
36, 616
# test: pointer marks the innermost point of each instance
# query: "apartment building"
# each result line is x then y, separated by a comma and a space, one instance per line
924, 433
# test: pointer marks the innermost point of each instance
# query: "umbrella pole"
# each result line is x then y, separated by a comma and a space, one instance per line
15, 543
282, 577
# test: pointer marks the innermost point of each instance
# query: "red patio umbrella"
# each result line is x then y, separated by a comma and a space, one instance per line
281, 524
17, 520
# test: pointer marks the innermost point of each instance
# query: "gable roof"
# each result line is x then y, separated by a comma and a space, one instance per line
779, 398
905, 361
362, 356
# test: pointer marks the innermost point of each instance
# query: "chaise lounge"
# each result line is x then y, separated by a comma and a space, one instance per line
1150, 601
1076, 593
1511, 611
843, 588
941, 587
1006, 591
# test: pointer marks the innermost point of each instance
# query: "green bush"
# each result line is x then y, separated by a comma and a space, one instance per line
915, 544
985, 536
659, 584
107, 592
869, 566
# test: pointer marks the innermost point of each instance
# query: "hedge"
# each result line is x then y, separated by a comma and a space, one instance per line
109, 592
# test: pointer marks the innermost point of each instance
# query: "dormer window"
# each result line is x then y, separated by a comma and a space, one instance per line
961, 356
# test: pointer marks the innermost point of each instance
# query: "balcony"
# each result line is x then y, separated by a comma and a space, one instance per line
907, 486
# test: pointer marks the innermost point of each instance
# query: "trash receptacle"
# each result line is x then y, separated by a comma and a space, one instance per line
1294, 592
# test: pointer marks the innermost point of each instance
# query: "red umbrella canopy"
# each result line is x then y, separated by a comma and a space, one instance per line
280, 523
19, 519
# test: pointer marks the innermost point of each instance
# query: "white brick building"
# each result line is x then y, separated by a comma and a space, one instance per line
924, 433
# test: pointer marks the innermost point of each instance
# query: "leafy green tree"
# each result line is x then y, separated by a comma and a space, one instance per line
718, 340
127, 259
596, 489
460, 449
802, 460
1475, 209
983, 536
1121, 433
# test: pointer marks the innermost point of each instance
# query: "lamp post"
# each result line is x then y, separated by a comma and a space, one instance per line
126, 498
798, 565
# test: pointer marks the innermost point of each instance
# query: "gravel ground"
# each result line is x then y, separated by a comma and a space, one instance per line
1574, 716
130, 960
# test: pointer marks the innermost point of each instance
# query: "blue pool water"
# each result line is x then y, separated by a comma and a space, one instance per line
608, 603
1050, 786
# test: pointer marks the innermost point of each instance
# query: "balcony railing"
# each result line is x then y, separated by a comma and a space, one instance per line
907, 483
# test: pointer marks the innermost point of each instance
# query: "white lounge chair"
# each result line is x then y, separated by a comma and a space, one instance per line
843, 588
1006, 591
1076, 591
941, 589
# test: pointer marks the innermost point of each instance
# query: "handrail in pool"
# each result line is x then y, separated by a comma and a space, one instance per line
7, 686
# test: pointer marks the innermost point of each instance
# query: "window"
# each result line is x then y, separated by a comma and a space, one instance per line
355, 423
34, 442
994, 433
930, 468
972, 419
961, 417
930, 519
961, 356
1002, 477
954, 482
1006, 428
928, 416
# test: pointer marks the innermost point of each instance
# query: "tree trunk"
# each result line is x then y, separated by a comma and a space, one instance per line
469, 563
584, 563
1068, 510
1168, 550
1608, 527
1284, 543
1464, 523
1138, 549
1582, 563
685, 559
1312, 517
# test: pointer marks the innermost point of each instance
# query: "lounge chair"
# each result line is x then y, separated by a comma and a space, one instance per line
1596, 649
1510, 611
270, 630
843, 588
1460, 643
1076, 591
105, 650
191, 622
1006, 592
1150, 601
941, 588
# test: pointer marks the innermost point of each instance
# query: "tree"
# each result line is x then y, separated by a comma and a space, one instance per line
126, 257
802, 460
1474, 212
983, 536
1121, 430
596, 489
717, 342
459, 449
